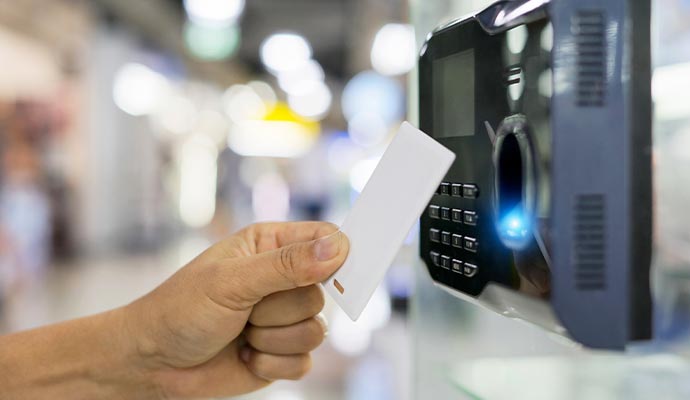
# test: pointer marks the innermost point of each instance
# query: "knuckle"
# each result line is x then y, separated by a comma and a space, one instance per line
288, 264
315, 300
313, 334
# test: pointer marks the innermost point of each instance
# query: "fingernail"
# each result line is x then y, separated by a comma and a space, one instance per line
327, 247
321, 319
245, 352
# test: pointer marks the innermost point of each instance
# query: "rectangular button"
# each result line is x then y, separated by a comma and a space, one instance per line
469, 270
434, 211
470, 191
470, 244
456, 190
445, 188
456, 241
445, 213
456, 266
456, 215
470, 218
434, 235
445, 262
445, 238
435, 258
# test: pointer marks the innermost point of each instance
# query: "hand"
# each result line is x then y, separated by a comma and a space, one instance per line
240, 315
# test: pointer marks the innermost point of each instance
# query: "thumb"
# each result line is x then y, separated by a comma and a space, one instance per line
288, 267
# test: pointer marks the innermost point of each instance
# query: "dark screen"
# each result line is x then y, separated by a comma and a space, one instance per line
453, 95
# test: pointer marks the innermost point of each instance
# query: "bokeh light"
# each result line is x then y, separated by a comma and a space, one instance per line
270, 198
311, 101
374, 93
138, 90
367, 129
394, 50
211, 43
284, 51
198, 170
306, 74
361, 172
214, 12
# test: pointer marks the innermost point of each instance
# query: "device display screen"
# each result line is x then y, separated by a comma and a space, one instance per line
453, 95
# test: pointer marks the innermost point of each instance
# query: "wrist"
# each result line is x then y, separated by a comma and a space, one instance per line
129, 369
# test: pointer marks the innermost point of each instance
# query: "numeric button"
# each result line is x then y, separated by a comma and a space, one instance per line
445, 213
445, 238
469, 270
470, 244
456, 190
434, 211
470, 218
470, 191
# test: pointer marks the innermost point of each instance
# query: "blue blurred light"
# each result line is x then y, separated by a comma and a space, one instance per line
370, 92
515, 225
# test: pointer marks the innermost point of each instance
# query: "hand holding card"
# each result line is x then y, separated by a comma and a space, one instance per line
392, 200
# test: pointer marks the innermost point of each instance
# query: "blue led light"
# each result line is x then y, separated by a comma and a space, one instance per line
515, 225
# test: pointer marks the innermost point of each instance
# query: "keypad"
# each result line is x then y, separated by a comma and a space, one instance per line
454, 229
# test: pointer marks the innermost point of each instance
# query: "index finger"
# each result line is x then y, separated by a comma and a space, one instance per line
273, 235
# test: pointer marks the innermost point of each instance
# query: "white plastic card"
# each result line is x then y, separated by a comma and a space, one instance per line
398, 191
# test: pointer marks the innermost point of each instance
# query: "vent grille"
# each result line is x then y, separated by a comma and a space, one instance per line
511, 75
588, 28
589, 241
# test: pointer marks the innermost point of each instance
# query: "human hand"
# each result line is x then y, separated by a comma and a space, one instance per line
240, 315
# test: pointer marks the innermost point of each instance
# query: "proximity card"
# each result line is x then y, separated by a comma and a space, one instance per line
399, 189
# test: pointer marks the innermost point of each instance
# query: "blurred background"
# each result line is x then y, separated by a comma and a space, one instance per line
133, 134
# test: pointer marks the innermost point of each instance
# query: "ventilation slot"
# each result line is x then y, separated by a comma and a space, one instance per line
588, 28
511, 75
589, 241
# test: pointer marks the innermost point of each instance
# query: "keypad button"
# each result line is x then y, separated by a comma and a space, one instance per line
456, 190
470, 244
469, 270
457, 240
445, 188
457, 266
434, 235
445, 213
470, 218
456, 215
445, 262
435, 258
445, 238
434, 211
470, 191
